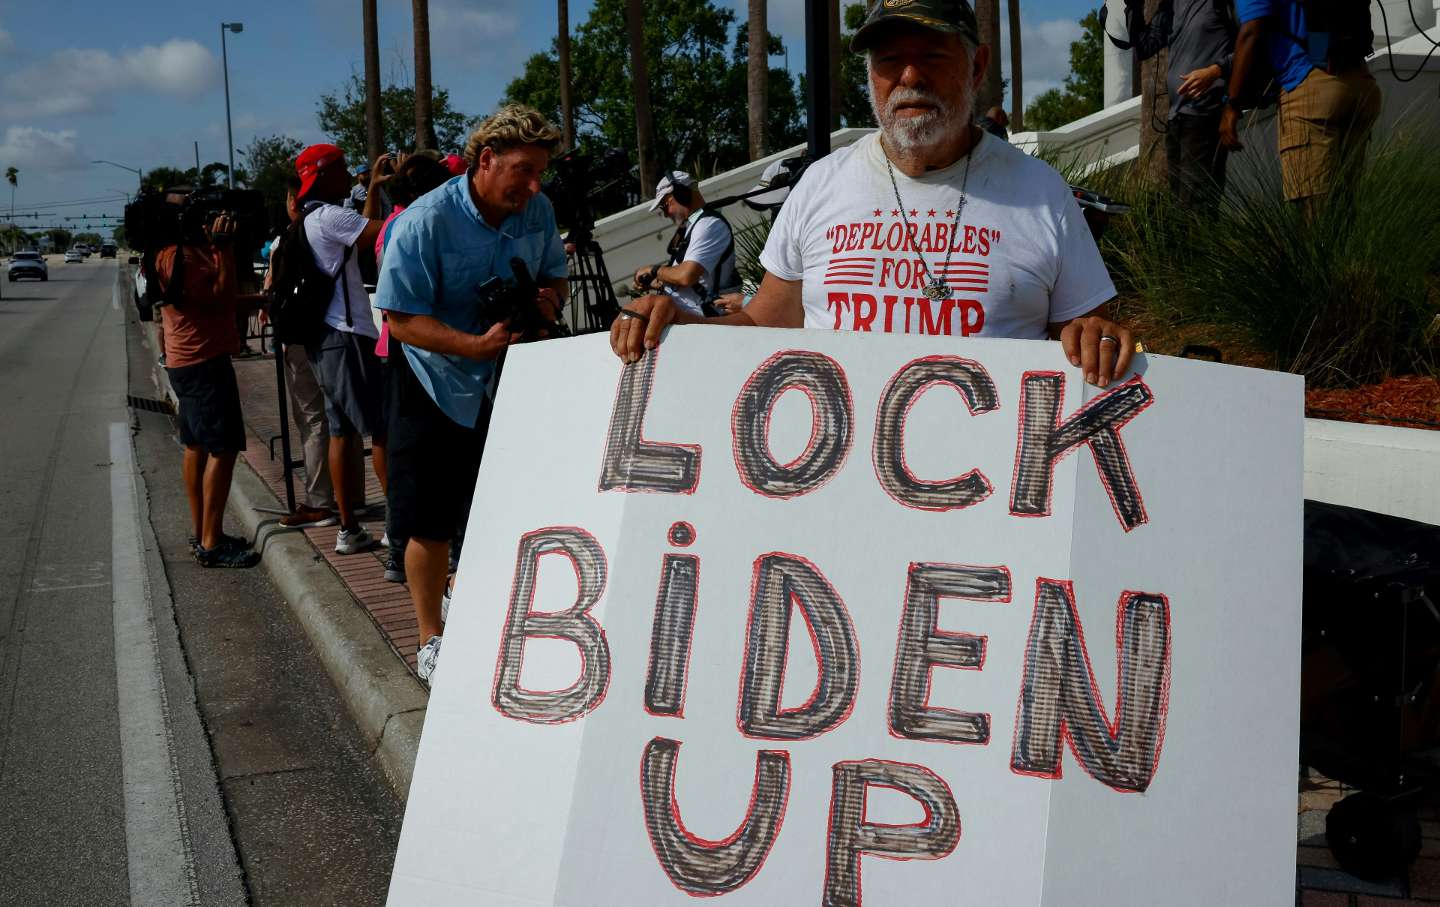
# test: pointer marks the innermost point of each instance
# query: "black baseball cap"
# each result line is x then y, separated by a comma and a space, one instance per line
951, 16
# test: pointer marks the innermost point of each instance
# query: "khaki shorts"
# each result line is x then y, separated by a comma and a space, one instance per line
1322, 120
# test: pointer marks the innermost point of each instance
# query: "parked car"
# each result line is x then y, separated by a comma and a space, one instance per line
28, 264
73, 255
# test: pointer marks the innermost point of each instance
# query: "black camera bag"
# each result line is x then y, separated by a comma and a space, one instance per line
302, 292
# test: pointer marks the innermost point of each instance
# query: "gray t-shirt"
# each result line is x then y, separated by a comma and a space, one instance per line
1199, 33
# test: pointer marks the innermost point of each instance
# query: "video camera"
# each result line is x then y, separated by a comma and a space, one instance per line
153, 221
573, 190
514, 302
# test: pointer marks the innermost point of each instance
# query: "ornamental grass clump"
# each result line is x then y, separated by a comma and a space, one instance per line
1345, 296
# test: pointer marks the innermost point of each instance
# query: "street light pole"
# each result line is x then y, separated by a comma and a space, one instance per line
237, 28
140, 176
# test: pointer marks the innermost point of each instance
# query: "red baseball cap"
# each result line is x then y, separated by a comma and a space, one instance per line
311, 161
456, 165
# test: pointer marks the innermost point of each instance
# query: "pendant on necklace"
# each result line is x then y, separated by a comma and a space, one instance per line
937, 289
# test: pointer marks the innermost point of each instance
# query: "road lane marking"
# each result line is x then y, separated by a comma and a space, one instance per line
157, 834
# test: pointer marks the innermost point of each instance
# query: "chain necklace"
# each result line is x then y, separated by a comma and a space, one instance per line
935, 286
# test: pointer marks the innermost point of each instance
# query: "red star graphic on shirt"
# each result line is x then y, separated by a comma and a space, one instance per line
914, 213
894, 212
930, 213
950, 213
877, 212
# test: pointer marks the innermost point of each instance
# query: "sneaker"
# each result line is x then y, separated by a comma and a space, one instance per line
353, 541
226, 541
395, 566
426, 660
226, 555
306, 517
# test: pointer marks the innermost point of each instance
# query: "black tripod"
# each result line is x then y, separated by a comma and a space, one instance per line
590, 285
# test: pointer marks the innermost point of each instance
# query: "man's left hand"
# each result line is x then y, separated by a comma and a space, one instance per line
1230, 129
1101, 348
1195, 84
548, 302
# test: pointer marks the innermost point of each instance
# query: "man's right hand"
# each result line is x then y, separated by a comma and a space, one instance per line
631, 336
492, 343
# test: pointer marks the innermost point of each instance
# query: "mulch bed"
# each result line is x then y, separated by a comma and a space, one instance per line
1409, 402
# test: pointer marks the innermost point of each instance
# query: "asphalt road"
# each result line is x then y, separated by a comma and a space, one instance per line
165, 735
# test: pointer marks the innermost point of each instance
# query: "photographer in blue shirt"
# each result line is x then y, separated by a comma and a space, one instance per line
440, 250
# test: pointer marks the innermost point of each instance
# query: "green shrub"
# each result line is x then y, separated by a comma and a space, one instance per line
1345, 297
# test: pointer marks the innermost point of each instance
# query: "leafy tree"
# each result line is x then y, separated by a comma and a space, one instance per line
342, 118
272, 163
698, 84
855, 107
118, 235
1084, 89
212, 174
90, 239
60, 239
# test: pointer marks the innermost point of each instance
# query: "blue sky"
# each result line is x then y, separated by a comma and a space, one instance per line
138, 82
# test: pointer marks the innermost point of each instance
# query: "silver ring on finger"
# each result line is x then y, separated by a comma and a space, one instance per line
632, 314
1113, 339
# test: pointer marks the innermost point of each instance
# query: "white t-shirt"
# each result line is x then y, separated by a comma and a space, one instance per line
1021, 258
709, 238
331, 230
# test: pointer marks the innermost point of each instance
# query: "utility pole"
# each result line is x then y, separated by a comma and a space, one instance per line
237, 28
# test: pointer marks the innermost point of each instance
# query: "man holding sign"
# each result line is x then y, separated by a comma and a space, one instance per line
940, 229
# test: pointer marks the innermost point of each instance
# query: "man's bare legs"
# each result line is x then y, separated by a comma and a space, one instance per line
219, 470
341, 452
377, 461
427, 562
207, 488
193, 468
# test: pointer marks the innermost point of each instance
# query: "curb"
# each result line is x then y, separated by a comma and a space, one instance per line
385, 700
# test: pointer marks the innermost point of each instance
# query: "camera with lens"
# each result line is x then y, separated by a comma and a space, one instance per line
168, 217
514, 302
160, 218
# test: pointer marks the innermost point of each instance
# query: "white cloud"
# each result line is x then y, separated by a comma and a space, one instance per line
79, 80
1045, 54
462, 25
28, 147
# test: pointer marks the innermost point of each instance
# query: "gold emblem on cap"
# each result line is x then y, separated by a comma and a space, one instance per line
896, 4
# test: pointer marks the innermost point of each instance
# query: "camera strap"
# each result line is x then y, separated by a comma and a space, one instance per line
345, 285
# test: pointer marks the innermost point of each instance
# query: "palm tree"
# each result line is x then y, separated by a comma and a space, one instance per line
987, 15
640, 83
837, 90
374, 136
424, 121
567, 104
758, 78
1154, 110
1017, 97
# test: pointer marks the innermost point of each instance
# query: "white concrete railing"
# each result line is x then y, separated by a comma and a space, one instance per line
636, 238
1374, 467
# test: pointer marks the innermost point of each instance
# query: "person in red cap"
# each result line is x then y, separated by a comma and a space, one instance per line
344, 358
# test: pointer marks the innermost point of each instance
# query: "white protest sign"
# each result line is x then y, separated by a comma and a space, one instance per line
787, 617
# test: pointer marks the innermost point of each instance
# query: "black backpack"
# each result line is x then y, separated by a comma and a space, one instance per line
301, 291
1339, 33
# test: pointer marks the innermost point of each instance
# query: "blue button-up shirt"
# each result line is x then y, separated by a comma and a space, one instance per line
439, 251
1286, 37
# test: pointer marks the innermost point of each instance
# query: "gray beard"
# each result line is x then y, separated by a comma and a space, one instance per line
916, 134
